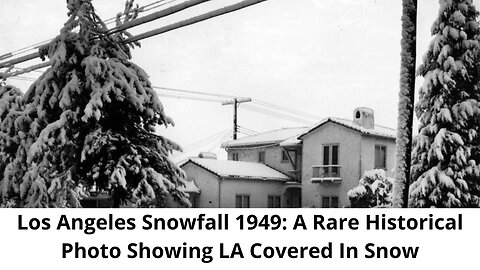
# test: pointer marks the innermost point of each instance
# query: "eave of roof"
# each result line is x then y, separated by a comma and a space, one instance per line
284, 177
248, 142
349, 124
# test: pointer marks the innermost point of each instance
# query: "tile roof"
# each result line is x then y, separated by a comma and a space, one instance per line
378, 130
239, 169
293, 141
266, 138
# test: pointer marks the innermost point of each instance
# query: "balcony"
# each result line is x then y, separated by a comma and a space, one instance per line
326, 173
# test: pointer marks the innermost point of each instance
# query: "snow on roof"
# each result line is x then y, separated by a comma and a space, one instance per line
376, 131
239, 169
269, 137
293, 141
190, 187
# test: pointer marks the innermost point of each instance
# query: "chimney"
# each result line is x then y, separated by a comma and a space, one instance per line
207, 155
364, 117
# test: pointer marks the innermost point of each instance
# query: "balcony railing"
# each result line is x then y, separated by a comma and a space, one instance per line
326, 173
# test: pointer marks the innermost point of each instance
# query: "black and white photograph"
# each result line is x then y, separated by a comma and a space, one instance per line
239, 104
225, 134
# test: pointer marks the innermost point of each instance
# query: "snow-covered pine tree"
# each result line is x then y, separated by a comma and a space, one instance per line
446, 154
405, 105
10, 105
89, 119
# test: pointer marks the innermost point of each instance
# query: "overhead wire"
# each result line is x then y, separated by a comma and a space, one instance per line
267, 109
23, 78
250, 130
206, 141
285, 109
269, 106
276, 114
187, 97
214, 144
219, 142
107, 22
209, 15
244, 131
193, 92
124, 26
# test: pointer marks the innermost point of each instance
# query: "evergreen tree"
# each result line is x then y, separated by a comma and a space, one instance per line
88, 120
446, 153
10, 104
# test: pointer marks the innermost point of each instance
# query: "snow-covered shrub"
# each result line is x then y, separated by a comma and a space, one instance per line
446, 152
88, 119
374, 190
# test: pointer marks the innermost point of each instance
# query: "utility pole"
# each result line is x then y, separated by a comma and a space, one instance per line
235, 102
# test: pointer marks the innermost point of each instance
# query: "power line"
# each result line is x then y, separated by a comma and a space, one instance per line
276, 114
193, 92
161, 30
154, 16
196, 19
206, 140
258, 102
248, 130
288, 110
107, 22
165, 92
187, 97
130, 24
23, 78
219, 142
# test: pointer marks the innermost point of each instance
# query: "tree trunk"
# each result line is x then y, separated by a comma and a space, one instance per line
405, 105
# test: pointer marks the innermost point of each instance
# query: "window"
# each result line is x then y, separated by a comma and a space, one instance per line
235, 156
274, 201
285, 158
329, 202
261, 157
330, 160
242, 201
330, 154
380, 157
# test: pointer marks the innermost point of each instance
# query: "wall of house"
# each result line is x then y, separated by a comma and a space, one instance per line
221, 193
273, 157
368, 154
349, 142
258, 190
207, 182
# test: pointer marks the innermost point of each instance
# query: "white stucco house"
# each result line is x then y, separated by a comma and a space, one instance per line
227, 184
294, 167
277, 149
336, 152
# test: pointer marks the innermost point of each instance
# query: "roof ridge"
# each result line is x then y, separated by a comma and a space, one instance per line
352, 125
353, 122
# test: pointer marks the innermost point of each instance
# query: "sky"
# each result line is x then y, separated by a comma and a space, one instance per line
321, 57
